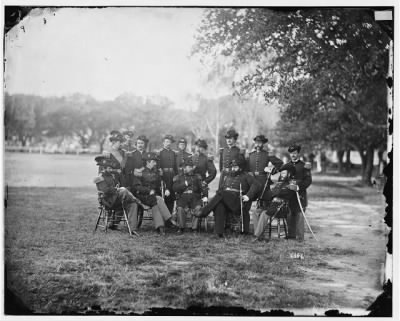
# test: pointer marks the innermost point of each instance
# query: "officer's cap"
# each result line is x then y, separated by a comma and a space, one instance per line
151, 156
143, 138
238, 161
231, 133
101, 160
293, 148
201, 143
170, 137
288, 167
261, 138
115, 135
182, 140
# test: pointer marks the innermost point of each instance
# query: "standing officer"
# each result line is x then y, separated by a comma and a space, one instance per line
227, 199
226, 154
257, 166
168, 166
204, 165
188, 188
182, 154
135, 162
128, 145
302, 180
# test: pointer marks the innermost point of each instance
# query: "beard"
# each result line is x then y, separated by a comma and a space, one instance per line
235, 173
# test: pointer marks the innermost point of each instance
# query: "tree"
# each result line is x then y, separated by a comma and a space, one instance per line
326, 66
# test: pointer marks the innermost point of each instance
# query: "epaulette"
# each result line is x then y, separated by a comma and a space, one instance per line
98, 179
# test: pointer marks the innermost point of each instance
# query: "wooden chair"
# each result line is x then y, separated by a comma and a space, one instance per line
280, 217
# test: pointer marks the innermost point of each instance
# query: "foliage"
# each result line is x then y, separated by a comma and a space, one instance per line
326, 66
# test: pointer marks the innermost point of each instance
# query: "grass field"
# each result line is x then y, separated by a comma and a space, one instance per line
56, 264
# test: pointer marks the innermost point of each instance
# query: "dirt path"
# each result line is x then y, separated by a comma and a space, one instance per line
353, 225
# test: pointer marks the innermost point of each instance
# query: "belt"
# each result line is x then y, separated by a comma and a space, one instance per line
168, 169
259, 173
188, 192
231, 189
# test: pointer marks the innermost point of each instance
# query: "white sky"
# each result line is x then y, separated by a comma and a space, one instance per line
104, 52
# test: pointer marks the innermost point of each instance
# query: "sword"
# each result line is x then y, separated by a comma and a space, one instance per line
241, 207
304, 215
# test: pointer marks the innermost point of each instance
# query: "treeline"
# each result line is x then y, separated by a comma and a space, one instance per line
31, 119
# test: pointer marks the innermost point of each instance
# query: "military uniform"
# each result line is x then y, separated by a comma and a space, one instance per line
116, 198
188, 188
168, 165
226, 155
204, 166
134, 165
279, 198
181, 157
303, 180
227, 200
256, 163
150, 180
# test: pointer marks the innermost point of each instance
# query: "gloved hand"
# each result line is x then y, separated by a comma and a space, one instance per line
152, 192
205, 199
245, 198
293, 187
167, 193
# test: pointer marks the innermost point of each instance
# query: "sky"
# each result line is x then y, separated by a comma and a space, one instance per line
104, 53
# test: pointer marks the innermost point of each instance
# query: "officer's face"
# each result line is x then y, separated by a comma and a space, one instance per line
258, 144
167, 143
182, 146
201, 150
140, 144
230, 141
188, 169
294, 156
284, 174
108, 169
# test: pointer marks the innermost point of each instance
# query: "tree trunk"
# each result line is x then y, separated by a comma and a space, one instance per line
101, 143
348, 161
318, 162
340, 154
369, 166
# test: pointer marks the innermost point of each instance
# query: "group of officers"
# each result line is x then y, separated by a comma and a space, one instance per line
167, 179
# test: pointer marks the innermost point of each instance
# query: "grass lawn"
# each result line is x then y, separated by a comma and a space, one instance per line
55, 263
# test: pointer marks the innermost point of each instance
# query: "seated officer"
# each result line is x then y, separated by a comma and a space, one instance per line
114, 197
278, 198
187, 186
147, 189
227, 199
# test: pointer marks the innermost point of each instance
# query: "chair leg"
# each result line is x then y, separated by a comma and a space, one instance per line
285, 227
279, 227
98, 218
270, 226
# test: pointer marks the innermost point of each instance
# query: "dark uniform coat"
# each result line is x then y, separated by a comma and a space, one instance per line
190, 193
142, 185
204, 166
303, 180
168, 165
134, 161
226, 155
255, 165
181, 157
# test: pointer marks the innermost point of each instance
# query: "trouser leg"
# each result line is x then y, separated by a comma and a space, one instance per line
164, 211
291, 222
220, 216
169, 202
158, 220
195, 219
256, 217
246, 217
131, 212
300, 226
181, 214
261, 224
